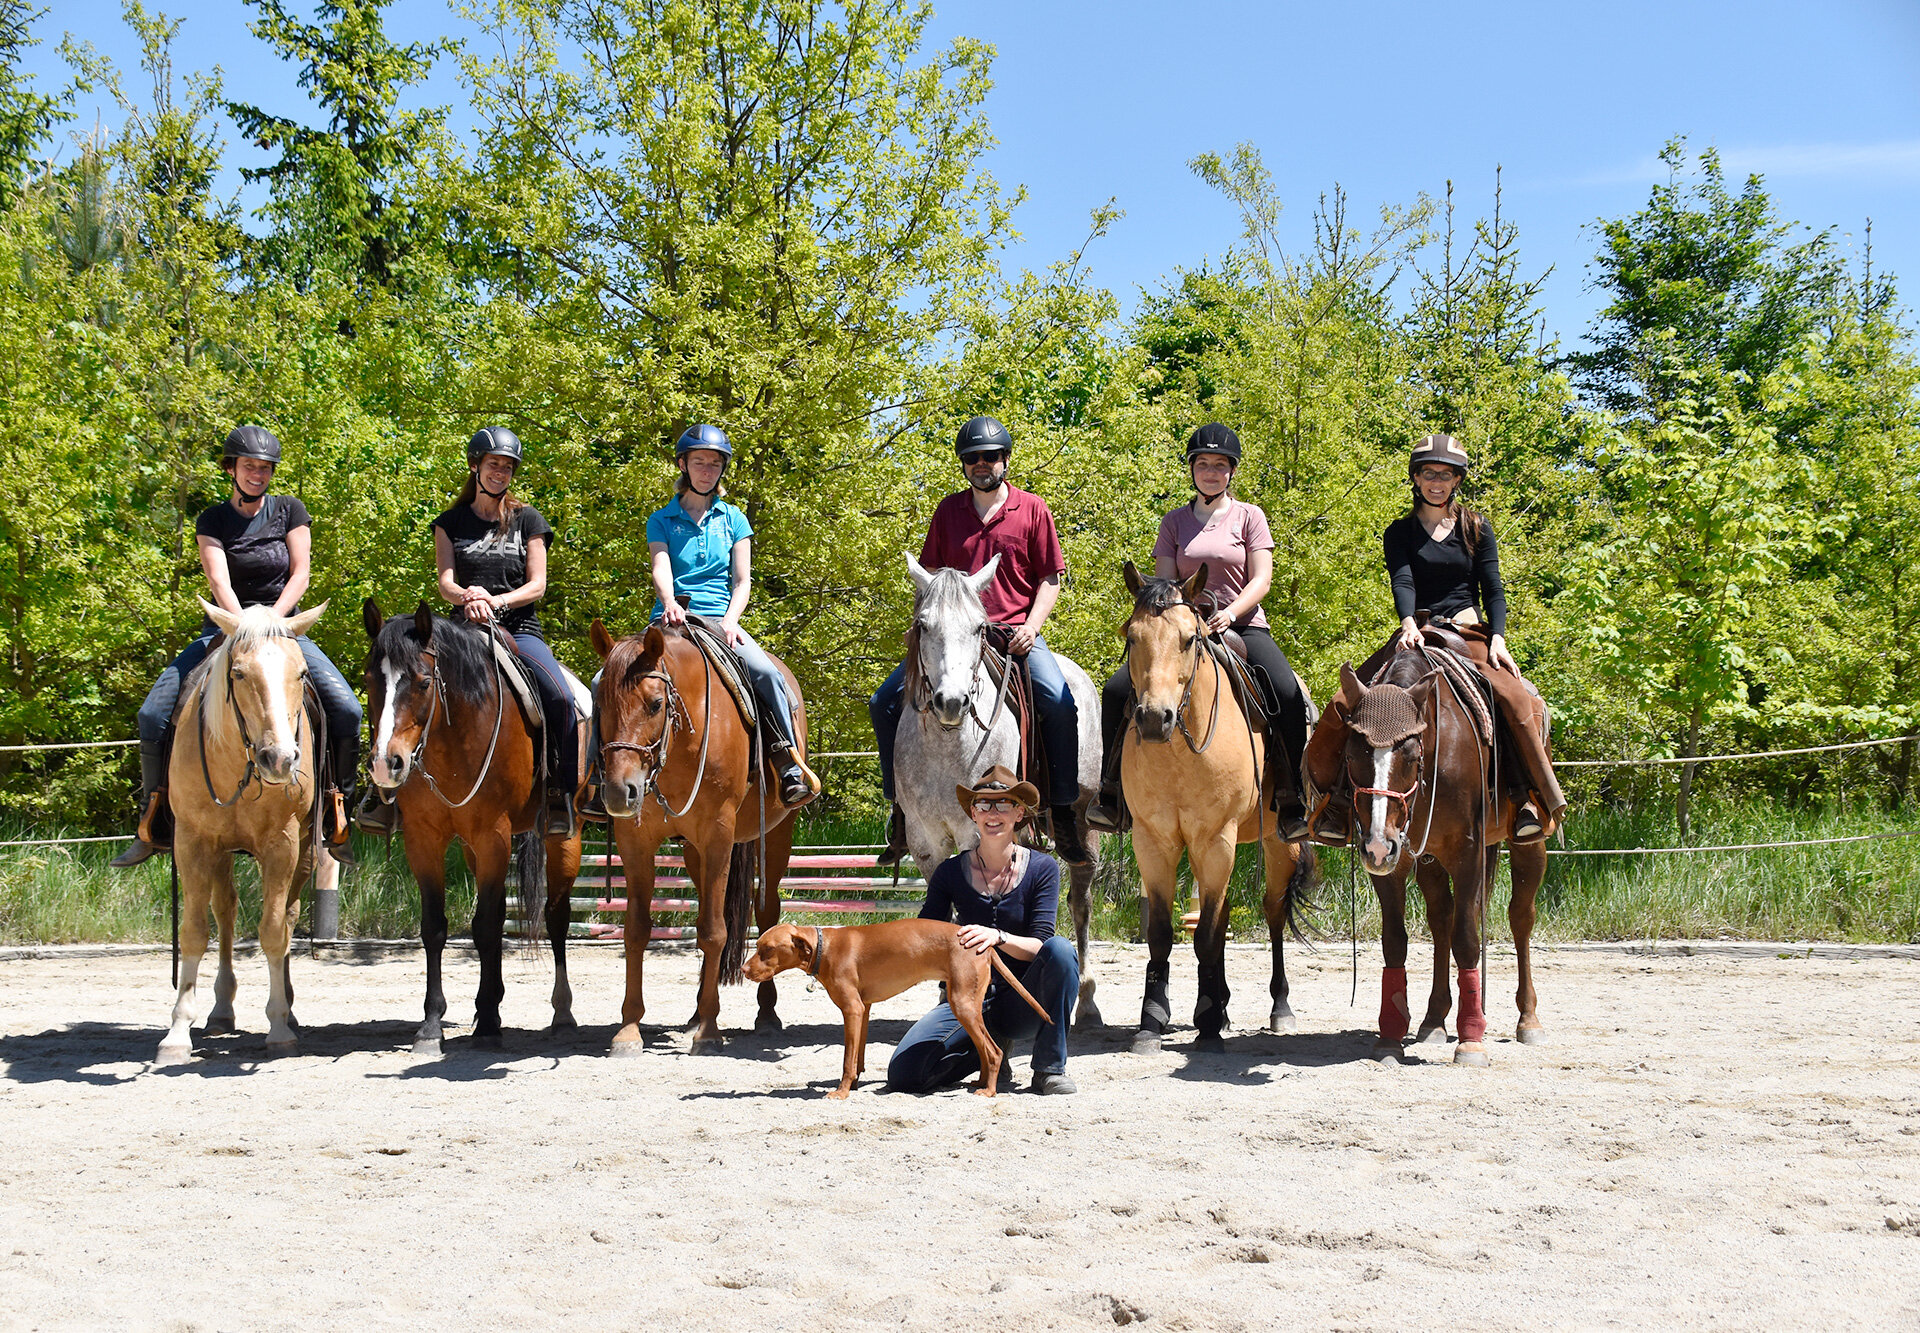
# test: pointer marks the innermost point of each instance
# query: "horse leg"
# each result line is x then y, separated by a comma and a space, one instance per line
1437, 889
1158, 863
202, 870
429, 872
276, 942
1281, 862
766, 915
226, 985
1470, 887
1527, 865
491, 859
636, 865
1212, 864
1395, 1013
563, 866
708, 866
1080, 901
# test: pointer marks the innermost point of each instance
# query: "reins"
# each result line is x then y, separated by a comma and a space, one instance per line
653, 756
251, 772
437, 704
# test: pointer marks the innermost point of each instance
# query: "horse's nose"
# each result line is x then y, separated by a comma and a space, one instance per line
389, 770
1381, 850
1154, 724
948, 707
620, 798
276, 764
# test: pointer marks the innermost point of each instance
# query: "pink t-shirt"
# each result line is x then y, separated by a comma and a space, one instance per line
1221, 543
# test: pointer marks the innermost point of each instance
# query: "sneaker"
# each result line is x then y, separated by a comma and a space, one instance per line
896, 839
1066, 837
1053, 1085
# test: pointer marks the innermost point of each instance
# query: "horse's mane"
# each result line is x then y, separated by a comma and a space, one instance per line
947, 588
258, 622
464, 655
629, 659
1156, 595
1406, 668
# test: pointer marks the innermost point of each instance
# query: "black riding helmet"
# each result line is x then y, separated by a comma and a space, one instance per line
1214, 438
251, 442
493, 440
982, 435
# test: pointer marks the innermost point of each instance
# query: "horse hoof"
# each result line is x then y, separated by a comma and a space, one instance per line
1471, 1053
219, 1026
1387, 1053
626, 1050
487, 1041
768, 1022
1146, 1043
1283, 1023
1087, 1017
1433, 1036
1211, 1043
173, 1055
426, 1046
1530, 1036
706, 1046
278, 1048
563, 1023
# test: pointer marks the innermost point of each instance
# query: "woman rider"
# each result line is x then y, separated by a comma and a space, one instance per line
256, 550
1444, 565
1230, 537
702, 549
491, 548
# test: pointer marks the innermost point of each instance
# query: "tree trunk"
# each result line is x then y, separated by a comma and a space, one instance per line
1688, 750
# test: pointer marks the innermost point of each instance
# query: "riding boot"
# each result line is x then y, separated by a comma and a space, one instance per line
1332, 825
335, 830
1108, 813
155, 830
560, 817
1066, 837
1528, 825
1290, 809
896, 838
798, 783
378, 814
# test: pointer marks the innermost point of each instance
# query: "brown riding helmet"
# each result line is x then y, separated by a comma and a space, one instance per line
1438, 449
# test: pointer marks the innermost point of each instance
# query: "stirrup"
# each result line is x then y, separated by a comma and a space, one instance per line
1108, 813
560, 821
156, 823
1066, 838
1528, 825
376, 814
1330, 826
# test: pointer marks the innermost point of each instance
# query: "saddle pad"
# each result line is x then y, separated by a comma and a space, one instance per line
519, 683
727, 665
582, 696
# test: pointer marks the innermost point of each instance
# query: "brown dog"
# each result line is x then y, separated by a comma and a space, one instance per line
862, 965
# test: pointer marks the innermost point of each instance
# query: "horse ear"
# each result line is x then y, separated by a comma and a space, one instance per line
1134, 581
601, 640
370, 617
226, 621
978, 582
921, 578
1196, 585
1350, 684
303, 622
423, 621
655, 643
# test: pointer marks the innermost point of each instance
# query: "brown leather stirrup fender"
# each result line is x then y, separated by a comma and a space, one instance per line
156, 824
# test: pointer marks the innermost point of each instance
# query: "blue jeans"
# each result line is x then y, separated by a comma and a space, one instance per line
556, 710
1058, 719
937, 1051
769, 686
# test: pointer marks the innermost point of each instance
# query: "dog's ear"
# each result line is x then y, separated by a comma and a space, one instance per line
803, 948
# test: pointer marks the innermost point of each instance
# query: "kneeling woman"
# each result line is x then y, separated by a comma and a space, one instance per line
1005, 897
256, 550
703, 550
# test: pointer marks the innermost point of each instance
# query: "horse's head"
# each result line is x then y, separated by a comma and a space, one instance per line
634, 704
401, 690
264, 673
950, 631
1163, 641
1388, 741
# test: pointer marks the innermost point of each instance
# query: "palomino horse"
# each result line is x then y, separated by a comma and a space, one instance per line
1425, 800
450, 742
677, 761
243, 778
1192, 764
958, 724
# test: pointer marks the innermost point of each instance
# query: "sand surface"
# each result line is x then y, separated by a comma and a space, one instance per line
1705, 1142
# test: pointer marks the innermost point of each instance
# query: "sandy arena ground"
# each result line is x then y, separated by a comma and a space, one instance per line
1706, 1141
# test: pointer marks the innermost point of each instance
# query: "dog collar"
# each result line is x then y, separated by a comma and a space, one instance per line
819, 940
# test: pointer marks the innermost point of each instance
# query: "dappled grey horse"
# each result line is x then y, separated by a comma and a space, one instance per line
957, 724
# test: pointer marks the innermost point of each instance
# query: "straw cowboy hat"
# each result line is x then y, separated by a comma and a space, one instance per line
998, 782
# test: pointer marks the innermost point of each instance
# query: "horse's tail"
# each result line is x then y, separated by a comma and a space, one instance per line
739, 913
530, 874
1306, 873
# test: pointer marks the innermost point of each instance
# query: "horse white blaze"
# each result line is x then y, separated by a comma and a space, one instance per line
1382, 770
383, 735
283, 734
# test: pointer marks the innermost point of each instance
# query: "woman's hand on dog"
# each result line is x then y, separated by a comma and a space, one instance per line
980, 938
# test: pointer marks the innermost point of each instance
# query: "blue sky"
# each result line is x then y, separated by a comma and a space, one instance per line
1573, 101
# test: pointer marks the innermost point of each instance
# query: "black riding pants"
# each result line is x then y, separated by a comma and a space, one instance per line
1277, 683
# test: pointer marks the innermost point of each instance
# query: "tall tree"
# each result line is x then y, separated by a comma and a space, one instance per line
27, 117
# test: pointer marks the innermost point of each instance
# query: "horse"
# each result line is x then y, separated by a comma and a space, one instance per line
244, 777
1203, 795
671, 731
1426, 798
958, 725
452, 745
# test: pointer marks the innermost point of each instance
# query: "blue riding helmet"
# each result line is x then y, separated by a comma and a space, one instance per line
703, 437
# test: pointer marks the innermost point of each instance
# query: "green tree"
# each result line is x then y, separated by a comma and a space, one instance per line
27, 117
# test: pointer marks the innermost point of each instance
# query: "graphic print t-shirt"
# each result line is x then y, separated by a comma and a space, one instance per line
483, 556
257, 558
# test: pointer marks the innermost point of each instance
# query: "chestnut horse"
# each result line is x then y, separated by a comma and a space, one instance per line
677, 761
243, 778
1427, 799
451, 743
1191, 766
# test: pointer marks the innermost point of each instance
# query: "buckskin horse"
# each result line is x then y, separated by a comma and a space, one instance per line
1423, 765
452, 744
1192, 764
959, 722
678, 761
244, 777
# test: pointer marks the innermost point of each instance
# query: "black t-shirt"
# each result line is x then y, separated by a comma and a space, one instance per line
257, 557
1442, 577
483, 557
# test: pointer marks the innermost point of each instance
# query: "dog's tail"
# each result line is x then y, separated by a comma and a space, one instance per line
1013, 981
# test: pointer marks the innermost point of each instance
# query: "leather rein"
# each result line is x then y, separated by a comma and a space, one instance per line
921, 696
436, 705
653, 755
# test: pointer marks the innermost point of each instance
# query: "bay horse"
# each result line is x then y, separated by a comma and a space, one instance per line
677, 761
451, 743
1426, 800
1192, 766
243, 777
957, 724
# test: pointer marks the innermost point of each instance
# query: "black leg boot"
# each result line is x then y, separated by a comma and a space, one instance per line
896, 847
1066, 837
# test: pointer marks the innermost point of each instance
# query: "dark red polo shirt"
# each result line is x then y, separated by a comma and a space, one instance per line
1021, 533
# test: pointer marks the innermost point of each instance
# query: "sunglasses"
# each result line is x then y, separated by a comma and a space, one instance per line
1001, 807
987, 456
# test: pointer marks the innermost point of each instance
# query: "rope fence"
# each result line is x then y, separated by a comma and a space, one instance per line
1709, 758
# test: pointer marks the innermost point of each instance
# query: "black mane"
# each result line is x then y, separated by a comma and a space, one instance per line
1406, 669
1156, 595
464, 655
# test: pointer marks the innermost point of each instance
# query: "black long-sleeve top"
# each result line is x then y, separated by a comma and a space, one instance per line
1441, 578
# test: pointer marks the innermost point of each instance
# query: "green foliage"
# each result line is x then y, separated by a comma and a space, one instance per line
27, 118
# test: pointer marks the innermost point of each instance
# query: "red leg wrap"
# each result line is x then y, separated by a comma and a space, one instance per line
1394, 1013
1472, 1023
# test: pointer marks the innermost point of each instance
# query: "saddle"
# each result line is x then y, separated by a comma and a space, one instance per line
520, 683
1032, 765
711, 640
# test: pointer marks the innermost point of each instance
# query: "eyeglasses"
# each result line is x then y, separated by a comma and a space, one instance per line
1435, 474
996, 807
987, 456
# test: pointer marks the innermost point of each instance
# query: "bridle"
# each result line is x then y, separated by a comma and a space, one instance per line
653, 755
436, 704
1408, 797
1186, 694
921, 696
223, 662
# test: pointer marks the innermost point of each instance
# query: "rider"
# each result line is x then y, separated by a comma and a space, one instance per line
702, 549
1230, 537
256, 550
1444, 565
969, 528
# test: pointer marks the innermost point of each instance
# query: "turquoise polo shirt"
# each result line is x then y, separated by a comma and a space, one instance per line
701, 551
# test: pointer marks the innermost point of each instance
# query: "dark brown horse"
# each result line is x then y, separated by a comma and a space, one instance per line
450, 741
1427, 799
677, 761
